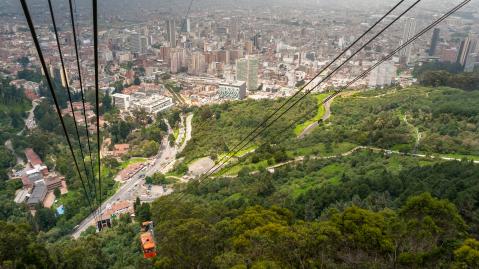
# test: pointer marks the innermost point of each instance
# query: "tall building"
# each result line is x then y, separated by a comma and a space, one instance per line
186, 25
177, 60
138, 43
466, 46
257, 41
434, 42
171, 31
248, 46
382, 75
448, 55
247, 70
472, 62
408, 32
223, 56
197, 64
64, 78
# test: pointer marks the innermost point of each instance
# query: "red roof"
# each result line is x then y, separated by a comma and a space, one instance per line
32, 157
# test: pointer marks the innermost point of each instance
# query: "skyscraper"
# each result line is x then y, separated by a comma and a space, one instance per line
464, 51
247, 70
434, 42
253, 64
382, 75
185, 25
138, 43
242, 70
408, 33
171, 31
472, 62
197, 64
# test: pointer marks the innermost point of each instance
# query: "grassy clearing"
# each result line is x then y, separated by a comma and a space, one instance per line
176, 133
133, 161
241, 152
299, 128
320, 149
234, 170
461, 156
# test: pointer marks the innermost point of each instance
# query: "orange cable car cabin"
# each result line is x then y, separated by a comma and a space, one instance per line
147, 240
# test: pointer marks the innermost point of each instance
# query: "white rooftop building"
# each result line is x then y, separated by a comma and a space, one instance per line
151, 103
233, 90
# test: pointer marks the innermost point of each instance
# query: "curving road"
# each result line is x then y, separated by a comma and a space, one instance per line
326, 116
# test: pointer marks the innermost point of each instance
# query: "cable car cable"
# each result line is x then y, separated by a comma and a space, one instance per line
82, 90
309, 91
311, 81
389, 56
50, 84
95, 48
55, 30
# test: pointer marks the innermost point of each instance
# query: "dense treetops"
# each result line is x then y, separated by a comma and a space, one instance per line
364, 210
398, 217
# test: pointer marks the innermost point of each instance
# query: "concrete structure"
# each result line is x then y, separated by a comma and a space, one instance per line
138, 43
434, 42
171, 32
472, 62
383, 75
197, 64
38, 181
408, 32
467, 45
247, 70
234, 90
151, 102
114, 211
448, 55
186, 25
121, 101
38, 194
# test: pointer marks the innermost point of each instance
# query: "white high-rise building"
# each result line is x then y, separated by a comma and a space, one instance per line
408, 32
382, 75
247, 70
468, 45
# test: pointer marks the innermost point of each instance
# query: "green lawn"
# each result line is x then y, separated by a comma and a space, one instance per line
320, 97
320, 149
240, 153
176, 133
234, 170
133, 161
461, 156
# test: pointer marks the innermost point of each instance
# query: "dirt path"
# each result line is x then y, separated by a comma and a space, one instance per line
345, 154
418, 134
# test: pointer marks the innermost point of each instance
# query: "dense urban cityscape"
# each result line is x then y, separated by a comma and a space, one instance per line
180, 87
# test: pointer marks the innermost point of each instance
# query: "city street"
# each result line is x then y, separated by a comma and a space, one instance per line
163, 163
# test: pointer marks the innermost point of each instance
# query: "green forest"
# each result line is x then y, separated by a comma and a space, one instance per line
366, 210
329, 209
446, 119
219, 128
